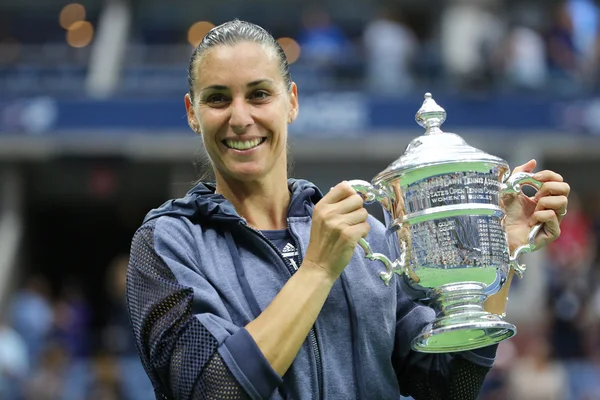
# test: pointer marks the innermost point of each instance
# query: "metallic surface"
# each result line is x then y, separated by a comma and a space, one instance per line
443, 209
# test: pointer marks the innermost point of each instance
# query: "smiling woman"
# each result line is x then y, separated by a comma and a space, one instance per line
252, 286
242, 113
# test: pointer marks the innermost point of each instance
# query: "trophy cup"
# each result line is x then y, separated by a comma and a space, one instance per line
442, 202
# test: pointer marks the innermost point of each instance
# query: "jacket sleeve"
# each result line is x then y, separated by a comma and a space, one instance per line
445, 376
189, 347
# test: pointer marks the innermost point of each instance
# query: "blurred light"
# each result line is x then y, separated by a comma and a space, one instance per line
71, 14
9, 50
198, 31
80, 34
291, 49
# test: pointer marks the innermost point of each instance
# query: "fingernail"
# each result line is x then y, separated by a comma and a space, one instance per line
537, 176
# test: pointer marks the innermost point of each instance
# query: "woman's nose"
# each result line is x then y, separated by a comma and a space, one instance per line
241, 116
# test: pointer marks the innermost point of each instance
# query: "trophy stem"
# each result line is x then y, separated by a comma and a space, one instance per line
459, 298
462, 323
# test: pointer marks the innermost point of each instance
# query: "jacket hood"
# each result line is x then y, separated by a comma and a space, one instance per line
202, 204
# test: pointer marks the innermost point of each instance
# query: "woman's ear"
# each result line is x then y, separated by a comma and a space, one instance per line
293, 114
191, 114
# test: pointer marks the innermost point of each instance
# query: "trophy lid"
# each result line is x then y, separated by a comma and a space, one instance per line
435, 147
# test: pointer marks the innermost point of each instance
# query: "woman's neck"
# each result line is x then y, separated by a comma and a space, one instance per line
264, 205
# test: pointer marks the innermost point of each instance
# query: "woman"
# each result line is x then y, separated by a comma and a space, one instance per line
219, 311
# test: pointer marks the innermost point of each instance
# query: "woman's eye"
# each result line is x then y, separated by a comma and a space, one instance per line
216, 99
259, 94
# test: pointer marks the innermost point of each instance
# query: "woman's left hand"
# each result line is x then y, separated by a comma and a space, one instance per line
548, 206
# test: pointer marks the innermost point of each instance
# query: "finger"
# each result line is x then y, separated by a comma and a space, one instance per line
556, 203
348, 205
338, 193
553, 189
551, 227
529, 166
355, 232
356, 217
547, 176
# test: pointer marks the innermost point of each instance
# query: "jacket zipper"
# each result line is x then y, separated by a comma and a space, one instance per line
313, 333
313, 330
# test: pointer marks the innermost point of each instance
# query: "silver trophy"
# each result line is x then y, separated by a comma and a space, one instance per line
443, 209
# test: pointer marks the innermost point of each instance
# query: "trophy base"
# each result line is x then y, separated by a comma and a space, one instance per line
449, 334
463, 324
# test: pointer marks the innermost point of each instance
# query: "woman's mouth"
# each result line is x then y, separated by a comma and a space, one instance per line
243, 144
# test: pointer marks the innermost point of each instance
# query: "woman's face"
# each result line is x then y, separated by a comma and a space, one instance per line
242, 108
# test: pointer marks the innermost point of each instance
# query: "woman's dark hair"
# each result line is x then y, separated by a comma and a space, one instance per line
234, 32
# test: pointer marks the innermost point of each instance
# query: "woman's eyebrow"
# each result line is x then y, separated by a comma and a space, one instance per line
257, 82
214, 87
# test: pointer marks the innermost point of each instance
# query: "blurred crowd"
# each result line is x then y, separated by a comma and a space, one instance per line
477, 46
558, 356
51, 350
487, 46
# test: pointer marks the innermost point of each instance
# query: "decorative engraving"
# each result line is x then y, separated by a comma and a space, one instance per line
459, 242
453, 188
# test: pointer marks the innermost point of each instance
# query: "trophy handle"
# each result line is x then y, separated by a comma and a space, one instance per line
371, 194
513, 186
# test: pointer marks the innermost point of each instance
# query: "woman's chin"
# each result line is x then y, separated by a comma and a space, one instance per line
247, 173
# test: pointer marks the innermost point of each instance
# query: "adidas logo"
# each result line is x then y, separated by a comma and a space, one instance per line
289, 248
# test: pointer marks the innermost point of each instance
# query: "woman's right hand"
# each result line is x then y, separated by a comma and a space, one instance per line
339, 221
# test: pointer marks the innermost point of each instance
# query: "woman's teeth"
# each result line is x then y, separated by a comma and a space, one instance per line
243, 145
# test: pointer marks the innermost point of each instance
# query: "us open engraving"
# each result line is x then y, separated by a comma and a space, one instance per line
454, 188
